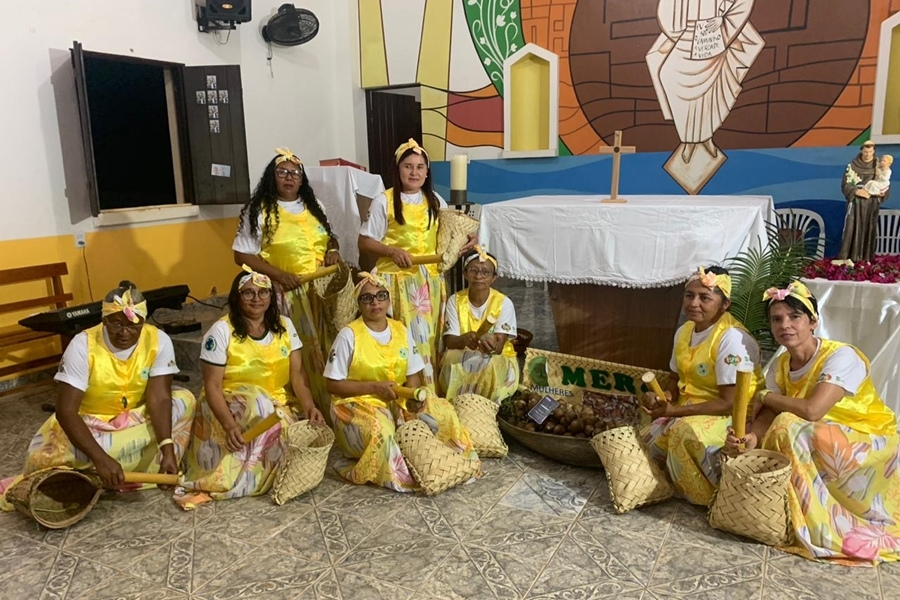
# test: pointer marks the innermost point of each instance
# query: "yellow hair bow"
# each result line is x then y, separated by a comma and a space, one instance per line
374, 278
285, 154
711, 280
797, 290
125, 303
258, 279
482, 256
410, 145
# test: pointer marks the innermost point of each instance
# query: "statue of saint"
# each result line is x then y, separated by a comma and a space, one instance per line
859, 183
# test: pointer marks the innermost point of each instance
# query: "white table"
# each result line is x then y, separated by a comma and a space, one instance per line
650, 241
339, 189
615, 269
866, 315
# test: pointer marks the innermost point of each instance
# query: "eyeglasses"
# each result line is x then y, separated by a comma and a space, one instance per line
414, 167
370, 298
263, 294
116, 327
284, 173
483, 272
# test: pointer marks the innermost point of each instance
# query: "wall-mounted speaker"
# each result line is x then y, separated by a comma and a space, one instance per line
215, 15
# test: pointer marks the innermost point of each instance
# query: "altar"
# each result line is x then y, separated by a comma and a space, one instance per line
615, 271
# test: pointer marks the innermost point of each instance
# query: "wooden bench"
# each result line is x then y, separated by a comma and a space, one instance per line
12, 336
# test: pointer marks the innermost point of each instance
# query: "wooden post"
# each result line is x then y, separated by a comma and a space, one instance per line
617, 150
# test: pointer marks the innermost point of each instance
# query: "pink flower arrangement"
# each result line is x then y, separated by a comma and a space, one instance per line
884, 268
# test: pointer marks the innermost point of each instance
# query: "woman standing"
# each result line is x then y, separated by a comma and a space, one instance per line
821, 410
283, 234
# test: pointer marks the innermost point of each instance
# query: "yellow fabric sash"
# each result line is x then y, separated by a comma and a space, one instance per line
114, 385
696, 366
864, 411
251, 363
375, 362
298, 244
415, 236
468, 322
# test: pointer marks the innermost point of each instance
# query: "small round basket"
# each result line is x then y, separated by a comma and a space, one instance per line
568, 450
752, 499
304, 462
56, 498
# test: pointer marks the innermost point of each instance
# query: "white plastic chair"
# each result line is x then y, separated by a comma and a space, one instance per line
887, 241
803, 221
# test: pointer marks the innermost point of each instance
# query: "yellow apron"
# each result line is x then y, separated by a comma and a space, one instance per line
251, 363
298, 244
416, 237
864, 411
375, 362
114, 385
468, 322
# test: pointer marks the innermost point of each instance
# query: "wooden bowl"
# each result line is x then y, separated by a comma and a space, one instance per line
568, 450
522, 341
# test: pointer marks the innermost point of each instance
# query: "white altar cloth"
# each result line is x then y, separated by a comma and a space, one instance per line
649, 241
337, 189
866, 315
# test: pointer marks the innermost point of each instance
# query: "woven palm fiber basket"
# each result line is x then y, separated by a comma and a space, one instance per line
454, 228
634, 478
479, 416
752, 499
336, 291
305, 458
56, 498
435, 467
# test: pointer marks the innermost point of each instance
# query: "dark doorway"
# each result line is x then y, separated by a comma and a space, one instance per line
393, 116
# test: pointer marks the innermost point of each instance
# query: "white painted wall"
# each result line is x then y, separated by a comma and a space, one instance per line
312, 105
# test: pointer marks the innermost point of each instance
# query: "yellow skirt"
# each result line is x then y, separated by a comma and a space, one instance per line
470, 372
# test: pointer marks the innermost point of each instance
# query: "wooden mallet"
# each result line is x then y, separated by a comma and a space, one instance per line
650, 379
741, 400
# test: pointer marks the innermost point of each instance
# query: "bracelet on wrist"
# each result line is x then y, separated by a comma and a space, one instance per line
762, 396
331, 250
165, 442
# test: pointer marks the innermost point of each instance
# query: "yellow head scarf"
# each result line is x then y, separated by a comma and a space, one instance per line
285, 154
410, 145
711, 280
258, 279
482, 256
797, 290
370, 277
125, 303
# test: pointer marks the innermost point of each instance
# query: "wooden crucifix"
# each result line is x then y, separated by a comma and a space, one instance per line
617, 150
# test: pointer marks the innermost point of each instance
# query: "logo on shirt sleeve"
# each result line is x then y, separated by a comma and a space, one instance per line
733, 360
62, 365
332, 356
210, 344
506, 327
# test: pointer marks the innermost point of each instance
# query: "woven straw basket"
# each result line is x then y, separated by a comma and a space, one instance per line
752, 499
434, 466
454, 228
56, 498
336, 291
634, 479
479, 415
304, 461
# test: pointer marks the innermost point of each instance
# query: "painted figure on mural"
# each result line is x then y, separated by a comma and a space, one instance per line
697, 64
861, 223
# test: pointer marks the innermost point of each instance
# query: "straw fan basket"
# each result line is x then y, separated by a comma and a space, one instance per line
56, 498
336, 291
752, 499
634, 478
479, 415
454, 228
304, 461
434, 466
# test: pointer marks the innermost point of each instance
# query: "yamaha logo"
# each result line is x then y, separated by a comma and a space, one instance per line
77, 313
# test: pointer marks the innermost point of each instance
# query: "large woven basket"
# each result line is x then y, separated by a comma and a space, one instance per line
752, 499
336, 291
454, 228
479, 415
304, 462
435, 467
56, 498
634, 478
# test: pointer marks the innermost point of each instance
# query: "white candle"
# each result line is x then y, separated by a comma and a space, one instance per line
458, 172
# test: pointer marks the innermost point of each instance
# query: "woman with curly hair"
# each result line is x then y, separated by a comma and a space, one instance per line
283, 234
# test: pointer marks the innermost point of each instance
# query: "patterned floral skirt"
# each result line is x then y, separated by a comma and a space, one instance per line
365, 435
471, 372
209, 465
845, 490
688, 448
417, 301
129, 438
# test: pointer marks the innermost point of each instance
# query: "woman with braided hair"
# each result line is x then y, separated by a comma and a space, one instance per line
284, 233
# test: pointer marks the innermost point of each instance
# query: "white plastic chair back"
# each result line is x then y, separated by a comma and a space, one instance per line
887, 240
804, 221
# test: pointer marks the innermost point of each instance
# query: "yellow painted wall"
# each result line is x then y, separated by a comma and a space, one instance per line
530, 104
891, 123
197, 253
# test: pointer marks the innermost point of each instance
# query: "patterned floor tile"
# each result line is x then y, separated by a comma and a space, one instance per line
690, 525
264, 574
679, 561
550, 494
741, 582
636, 551
72, 576
804, 577
424, 517
462, 512
889, 574
354, 586
505, 525
255, 520
649, 520
18, 554
125, 587
323, 536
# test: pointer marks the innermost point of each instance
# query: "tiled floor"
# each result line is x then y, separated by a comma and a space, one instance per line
530, 528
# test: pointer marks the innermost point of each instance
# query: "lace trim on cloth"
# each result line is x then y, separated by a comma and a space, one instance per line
596, 280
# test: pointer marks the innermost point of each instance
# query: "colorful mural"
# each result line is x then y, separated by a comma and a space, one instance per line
695, 79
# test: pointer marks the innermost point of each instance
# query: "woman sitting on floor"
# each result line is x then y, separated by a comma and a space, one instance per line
821, 410
479, 326
370, 357
116, 410
251, 367
688, 430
